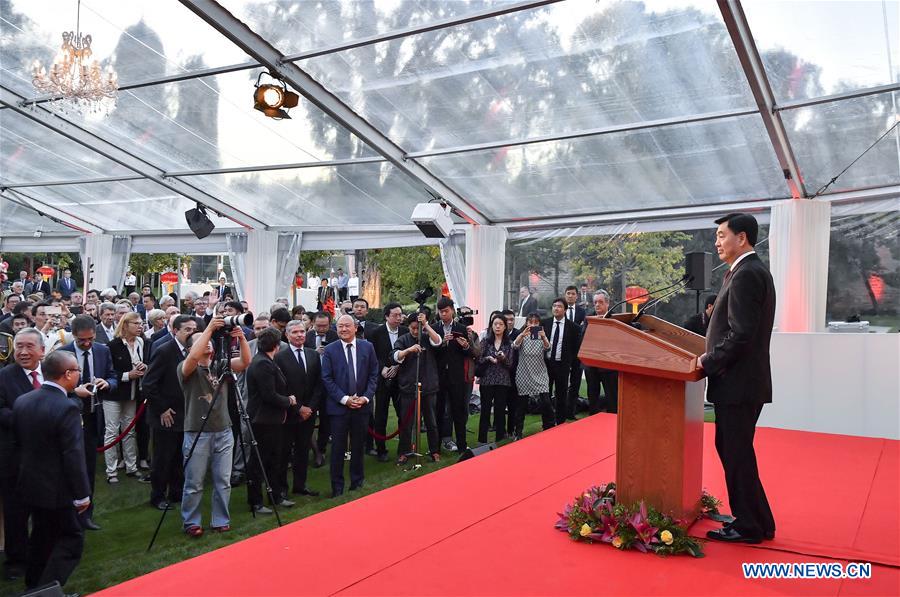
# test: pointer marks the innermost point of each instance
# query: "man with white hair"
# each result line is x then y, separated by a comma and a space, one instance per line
188, 302
166, 301
18, 287
109, 295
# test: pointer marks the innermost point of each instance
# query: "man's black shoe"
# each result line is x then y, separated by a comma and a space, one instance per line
90, 525
768, 535
337, 494
161, 505
237, 479
357, 486
730, 535
306, 491
383, 457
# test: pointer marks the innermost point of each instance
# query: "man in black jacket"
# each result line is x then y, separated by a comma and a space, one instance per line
699, 322
451, 358
320, 336
576, 314
17, 379
268, 402
564, 342
165, 409
52, 477
739, 375
302, 369
388, 392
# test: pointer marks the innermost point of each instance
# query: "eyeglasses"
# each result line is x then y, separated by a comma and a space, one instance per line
76, 370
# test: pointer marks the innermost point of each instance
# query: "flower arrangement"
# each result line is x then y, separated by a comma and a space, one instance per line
595, 516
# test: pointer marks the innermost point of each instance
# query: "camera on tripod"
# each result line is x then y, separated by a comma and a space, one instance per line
423, 295
465, 315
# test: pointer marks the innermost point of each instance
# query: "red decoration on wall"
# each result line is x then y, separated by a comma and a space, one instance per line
876, 283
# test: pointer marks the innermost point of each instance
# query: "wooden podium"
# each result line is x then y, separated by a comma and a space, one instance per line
659, 447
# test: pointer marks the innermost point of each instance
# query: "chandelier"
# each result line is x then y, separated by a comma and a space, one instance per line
75, 78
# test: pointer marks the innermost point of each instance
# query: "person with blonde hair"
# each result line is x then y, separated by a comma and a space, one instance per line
127, 351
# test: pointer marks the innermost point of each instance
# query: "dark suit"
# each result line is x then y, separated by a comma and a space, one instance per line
739, 383
267, 406
323, 295
345, 421
42, 286
575, 368
13, 384
529, 305
162, 391
149, 344
102, 336
697, 323
451, 363
305, 383
324, 422
102, 367
51, 477
388, 392
66, 287
554, 413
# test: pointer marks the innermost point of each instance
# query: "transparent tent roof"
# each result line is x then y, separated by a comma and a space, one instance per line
513, 112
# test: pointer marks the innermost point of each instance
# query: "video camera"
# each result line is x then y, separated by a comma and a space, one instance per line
465, 315
423, 295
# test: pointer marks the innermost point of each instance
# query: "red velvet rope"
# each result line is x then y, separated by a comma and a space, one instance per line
406, 418
125, 431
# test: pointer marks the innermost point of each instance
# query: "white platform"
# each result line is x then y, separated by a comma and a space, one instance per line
836, 383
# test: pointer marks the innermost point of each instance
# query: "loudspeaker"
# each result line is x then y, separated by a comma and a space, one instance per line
698, 265
473, 452
199, 222
49, 590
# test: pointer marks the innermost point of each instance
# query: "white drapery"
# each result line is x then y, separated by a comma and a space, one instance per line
108, 255
799, 235
485, 268
453, 259
236, 243
287, 259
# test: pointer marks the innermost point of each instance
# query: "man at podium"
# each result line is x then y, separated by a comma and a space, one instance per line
737, 365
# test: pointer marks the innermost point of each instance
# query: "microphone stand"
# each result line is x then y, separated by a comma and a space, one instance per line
634, 322
684, 280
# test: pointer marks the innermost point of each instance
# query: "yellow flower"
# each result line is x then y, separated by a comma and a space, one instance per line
617, 542
585, 530
666, 537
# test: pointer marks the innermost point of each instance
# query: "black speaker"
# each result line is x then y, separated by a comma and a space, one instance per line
49, 590
473, 452
199, 222
698, 265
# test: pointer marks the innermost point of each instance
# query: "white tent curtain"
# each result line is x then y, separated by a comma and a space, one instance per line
236, 244
287, 259
486, 259
453, 259
108, 255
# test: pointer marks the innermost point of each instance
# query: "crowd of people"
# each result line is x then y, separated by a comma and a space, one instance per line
170, 390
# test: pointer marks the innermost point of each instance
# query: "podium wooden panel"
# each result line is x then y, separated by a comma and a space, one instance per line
659, 444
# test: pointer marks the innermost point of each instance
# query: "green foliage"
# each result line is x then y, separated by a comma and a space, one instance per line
313, 261
155, 263
407, 269
648, 259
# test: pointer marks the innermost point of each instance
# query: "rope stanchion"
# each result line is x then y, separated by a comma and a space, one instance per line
121, 436
403, 423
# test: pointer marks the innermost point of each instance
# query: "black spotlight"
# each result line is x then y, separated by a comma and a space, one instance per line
199, 222
272, 98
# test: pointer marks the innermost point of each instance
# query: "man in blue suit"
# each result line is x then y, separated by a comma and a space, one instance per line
66, 284
97, 379
52, 478
350, 376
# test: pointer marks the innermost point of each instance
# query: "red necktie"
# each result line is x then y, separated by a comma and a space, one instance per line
34, 381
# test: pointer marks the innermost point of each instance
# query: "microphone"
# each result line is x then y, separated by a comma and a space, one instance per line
684, 279
683, 282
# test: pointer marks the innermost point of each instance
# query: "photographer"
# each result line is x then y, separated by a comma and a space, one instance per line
456, 348
214, 445
414, 352
532, 379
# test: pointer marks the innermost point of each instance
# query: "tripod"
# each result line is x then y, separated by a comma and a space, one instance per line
223, 364
418, 441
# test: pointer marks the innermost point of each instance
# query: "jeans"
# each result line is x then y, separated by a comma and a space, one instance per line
213, 451
119, 413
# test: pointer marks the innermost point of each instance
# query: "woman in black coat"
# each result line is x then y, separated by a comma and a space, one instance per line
119, 406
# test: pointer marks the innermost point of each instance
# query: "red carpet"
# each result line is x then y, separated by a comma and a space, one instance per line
485, 527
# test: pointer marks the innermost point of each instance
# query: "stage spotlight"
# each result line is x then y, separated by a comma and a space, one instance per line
198, 221
273, 99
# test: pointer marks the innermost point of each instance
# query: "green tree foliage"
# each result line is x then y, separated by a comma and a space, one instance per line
155, 263
406, 270
313, 261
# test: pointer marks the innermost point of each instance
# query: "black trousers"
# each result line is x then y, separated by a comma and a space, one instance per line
429, 400
54, 547
295, 449
493, 396
574, 388
142, 433
735, 429
453, 396
348, 427
386, 394
609, 381
559, 387
324, 431
89, 425
15, 522
167, 469
269, 439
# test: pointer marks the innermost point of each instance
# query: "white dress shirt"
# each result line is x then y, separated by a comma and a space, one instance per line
562, 333
353, 350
